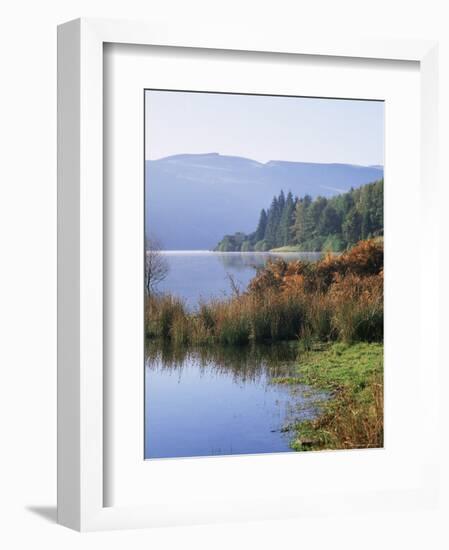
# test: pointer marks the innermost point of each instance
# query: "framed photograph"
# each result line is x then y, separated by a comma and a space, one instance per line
267, 339
247, 260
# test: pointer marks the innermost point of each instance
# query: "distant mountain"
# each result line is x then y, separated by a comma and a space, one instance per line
193, 200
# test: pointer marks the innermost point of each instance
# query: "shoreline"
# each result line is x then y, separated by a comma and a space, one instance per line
351, 417
234, 252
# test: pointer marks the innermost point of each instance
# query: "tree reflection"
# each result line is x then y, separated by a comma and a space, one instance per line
245, 363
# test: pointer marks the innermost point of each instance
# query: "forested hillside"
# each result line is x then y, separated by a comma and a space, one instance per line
211, 195
307, 224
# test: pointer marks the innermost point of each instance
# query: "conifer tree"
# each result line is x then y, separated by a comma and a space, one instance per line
301, 226
281, 202
351, 227
273, 217
286, 221
261, 227
331, 223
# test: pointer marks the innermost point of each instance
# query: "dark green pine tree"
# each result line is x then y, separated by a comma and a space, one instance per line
366, 225
259, 234
377, 208
301, 225
352, 227
329, 223
281, 207
365, 207
314, 214
286, 221
273, 218
281, 202
343, 203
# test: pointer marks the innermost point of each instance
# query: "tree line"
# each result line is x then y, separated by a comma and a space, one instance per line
308, 224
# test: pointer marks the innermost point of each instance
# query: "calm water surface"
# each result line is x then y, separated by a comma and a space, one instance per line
219, 400
196, 275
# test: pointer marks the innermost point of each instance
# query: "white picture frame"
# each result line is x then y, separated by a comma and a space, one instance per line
81, 403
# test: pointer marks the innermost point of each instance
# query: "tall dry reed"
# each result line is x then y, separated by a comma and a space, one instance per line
337, 298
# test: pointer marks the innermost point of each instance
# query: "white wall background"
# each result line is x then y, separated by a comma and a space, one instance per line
28, 267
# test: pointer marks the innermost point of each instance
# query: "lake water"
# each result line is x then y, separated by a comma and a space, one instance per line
219, 400
196, 275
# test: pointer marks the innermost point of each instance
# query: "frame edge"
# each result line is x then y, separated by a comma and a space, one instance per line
68, 279
79, 465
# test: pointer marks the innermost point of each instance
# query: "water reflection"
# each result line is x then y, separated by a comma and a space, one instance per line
209, 400
244, 363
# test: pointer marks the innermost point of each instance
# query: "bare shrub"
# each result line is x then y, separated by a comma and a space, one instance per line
156, 266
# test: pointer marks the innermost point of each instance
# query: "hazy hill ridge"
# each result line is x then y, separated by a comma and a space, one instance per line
193, 200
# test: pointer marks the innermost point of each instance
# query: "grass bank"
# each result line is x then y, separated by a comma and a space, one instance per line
352, 417
287, 248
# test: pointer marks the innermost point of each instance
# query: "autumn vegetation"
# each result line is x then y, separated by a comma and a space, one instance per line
332, 308
339, 298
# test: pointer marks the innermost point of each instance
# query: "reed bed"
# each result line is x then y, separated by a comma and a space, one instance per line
335, 299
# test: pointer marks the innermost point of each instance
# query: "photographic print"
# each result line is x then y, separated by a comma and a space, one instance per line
264, 237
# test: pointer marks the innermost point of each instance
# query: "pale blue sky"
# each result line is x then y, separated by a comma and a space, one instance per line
264, 128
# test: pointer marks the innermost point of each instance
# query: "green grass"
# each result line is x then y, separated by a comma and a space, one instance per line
289, 248
352, 417
342, 365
